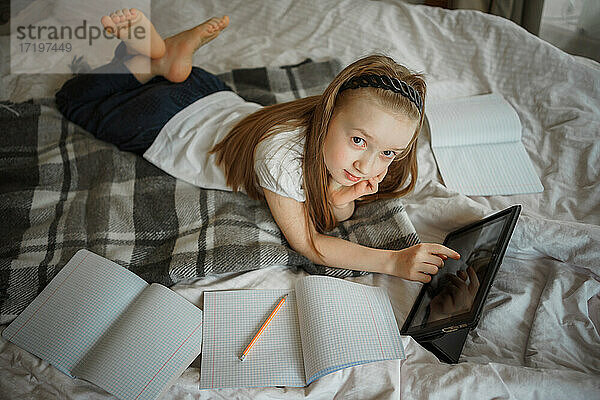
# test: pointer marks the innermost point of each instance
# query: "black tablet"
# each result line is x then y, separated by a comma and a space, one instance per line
454, 298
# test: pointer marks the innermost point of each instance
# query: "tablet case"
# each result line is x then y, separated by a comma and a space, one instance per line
448, 346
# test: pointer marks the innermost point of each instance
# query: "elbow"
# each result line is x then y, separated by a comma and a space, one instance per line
304, 248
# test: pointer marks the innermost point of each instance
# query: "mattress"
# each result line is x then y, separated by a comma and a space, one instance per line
539, 333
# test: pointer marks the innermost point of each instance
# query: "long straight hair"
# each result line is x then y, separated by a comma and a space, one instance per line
235, 153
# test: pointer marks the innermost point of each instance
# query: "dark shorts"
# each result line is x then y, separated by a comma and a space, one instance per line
115, 107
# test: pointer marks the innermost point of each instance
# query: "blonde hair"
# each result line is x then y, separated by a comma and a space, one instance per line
314, 113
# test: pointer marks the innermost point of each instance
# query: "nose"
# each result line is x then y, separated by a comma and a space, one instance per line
364, 165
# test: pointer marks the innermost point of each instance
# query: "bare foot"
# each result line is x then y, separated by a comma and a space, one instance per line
176, 64
132, 27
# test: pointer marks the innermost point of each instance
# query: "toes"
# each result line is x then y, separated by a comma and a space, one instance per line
224, 21
216, 24
212, 24
120, 19
108, 24
119, 14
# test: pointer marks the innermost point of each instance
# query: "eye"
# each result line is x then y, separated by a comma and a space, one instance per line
389, 153
358, 141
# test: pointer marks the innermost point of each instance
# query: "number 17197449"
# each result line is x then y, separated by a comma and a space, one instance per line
44, 47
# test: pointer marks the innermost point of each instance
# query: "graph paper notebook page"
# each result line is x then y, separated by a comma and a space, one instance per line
325, 325
477, 146
100, 322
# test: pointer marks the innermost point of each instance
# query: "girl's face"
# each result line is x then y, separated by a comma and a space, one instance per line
363, 139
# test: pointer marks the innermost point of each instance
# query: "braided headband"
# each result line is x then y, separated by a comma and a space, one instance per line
387, 83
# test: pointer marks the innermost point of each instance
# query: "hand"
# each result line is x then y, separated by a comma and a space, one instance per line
419, 262
340, 196
457, 296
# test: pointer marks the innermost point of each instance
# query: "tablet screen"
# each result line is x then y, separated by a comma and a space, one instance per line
453, 289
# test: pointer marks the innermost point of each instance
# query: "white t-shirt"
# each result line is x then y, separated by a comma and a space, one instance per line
181, 148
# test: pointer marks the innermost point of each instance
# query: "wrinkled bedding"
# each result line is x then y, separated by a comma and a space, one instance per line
539, 333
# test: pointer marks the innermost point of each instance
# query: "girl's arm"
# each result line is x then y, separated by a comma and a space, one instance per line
342, 197
414, 263
344, 211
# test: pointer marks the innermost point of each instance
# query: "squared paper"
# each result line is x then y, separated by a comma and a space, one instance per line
325, 325
477, 145
100, 322
231, 319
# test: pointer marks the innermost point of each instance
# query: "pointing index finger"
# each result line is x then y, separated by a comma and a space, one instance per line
443, 250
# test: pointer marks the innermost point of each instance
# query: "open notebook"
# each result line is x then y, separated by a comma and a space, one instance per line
100, 322
477, 145
325, 325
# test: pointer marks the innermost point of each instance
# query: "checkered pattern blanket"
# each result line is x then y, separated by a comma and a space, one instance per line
61, 190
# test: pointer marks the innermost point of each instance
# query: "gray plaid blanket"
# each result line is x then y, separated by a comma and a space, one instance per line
62, 190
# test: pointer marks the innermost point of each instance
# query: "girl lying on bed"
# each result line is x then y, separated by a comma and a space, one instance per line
310, 159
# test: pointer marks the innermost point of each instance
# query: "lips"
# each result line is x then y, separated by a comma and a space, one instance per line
350, 177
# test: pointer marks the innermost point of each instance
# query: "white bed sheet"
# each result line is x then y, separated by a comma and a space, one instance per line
539, 335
